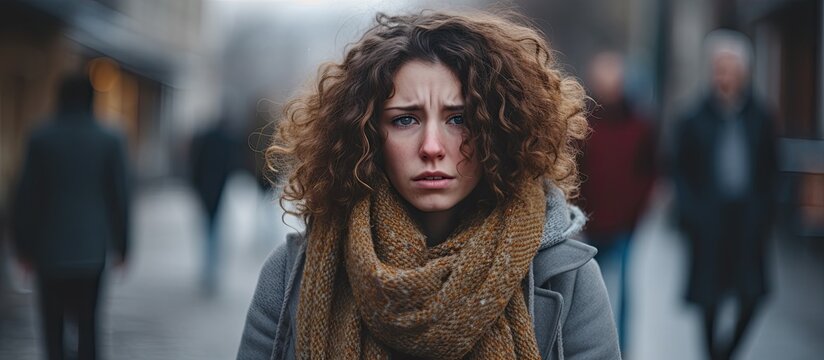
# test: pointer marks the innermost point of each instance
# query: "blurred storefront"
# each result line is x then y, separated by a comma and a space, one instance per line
33, 57
789, 45
136, 54
133, 51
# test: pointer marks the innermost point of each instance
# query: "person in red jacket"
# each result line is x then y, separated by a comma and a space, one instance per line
617, 164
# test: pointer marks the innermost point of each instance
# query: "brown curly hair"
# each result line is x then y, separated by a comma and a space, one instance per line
522, 112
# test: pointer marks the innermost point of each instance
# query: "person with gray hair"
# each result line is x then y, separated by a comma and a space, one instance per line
724, 171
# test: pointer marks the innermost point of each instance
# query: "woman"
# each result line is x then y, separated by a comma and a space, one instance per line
432, 167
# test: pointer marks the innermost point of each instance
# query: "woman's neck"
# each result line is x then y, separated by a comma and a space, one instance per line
438, 225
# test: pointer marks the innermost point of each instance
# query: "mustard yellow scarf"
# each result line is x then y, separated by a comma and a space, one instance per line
375, 288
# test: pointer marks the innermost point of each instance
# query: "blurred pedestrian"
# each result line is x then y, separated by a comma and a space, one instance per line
433, 167
71, 208
269, 228
618, 168
215, 156
724, 172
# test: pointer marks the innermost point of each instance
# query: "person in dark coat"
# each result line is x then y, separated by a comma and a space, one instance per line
724, 172
618, 167
215, 156
71, 208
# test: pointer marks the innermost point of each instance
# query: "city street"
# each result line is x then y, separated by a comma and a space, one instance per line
154, 308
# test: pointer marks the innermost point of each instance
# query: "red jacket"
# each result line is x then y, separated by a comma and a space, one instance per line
618, 170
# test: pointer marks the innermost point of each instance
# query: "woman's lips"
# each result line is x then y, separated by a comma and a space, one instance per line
433, 183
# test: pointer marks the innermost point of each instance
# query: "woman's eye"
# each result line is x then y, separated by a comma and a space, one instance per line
456, 120
404, 120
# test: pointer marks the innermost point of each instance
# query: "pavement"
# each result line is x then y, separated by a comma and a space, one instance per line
155, 309
789, 324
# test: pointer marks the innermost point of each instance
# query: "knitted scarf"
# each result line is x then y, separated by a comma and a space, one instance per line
375, 288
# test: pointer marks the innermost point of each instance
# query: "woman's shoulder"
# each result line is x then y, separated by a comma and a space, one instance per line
266, 309
281, 259
564, 256
275, 277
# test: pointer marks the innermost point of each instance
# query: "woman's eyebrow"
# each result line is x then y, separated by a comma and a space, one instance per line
417, 107
411, 107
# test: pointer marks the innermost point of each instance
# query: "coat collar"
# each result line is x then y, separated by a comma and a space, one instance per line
563, 220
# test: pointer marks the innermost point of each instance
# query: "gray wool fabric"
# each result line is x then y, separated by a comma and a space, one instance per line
563, 221
564, 289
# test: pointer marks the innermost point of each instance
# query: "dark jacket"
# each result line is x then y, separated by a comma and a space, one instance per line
702, 204
72, 201
564, 290
215, 155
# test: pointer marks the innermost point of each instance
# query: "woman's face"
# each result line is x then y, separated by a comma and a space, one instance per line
423, 128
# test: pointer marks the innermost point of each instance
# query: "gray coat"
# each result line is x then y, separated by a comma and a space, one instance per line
565, 293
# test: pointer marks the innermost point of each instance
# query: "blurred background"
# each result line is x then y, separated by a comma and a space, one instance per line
168, 73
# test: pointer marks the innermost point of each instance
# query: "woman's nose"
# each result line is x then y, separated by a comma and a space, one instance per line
432, 146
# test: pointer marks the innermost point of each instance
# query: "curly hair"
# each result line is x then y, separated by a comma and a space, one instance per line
523, 113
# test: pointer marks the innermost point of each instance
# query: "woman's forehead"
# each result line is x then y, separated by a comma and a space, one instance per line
421, 83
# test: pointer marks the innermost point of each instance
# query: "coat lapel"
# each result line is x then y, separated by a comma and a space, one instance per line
548, 303
545, 303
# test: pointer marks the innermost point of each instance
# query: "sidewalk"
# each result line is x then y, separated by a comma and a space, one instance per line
789, 324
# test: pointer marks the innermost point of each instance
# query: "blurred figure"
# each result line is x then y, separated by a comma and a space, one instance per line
618, 171
260, 133
724, 173
267, 222
215, 156
71, 207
